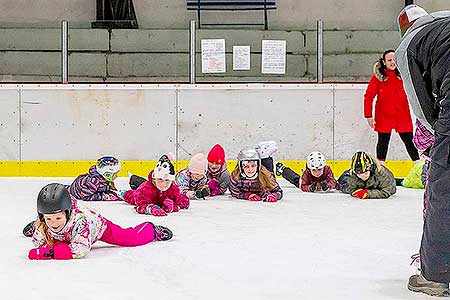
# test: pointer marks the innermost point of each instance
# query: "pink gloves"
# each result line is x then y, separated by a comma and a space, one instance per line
59, 251
213, 185
253, 197
156, 210
271, 198
168, 205
183, 202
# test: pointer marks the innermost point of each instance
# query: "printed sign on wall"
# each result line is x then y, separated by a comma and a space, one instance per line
241, 58
273, 57
213, 56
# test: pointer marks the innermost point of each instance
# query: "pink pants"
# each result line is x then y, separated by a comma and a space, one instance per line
133, 236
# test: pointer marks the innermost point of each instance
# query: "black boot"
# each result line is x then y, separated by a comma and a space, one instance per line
136, 181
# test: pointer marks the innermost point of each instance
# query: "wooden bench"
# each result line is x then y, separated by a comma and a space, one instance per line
231, 5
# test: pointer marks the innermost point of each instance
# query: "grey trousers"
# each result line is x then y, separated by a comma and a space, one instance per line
435, 246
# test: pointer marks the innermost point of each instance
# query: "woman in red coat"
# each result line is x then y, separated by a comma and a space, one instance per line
391, 107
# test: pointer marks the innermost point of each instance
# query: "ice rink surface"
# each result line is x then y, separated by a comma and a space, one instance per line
307, 246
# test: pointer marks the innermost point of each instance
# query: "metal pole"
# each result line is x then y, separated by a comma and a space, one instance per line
319, 51
192, 46
64, 51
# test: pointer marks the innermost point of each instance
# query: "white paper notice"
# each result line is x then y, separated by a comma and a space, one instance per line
241, 58
213, 56
273, 57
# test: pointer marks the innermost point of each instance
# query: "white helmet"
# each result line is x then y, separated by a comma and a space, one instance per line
108, 167
316, 160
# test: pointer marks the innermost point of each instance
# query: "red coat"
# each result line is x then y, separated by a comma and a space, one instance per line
147, 194
391, 108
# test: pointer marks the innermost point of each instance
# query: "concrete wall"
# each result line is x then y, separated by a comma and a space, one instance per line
163, 55
139, 122
291, 14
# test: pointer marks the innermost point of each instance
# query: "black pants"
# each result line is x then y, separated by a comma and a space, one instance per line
435, 246
383, 144
268, 163
136, 181
291, 176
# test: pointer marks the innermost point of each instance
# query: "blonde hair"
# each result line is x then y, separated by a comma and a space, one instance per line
266, 180
43, 230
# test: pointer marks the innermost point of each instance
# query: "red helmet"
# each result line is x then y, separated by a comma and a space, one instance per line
408, 16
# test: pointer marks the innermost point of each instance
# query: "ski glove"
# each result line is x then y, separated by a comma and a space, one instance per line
151, 209
59, 251
361, 194
271, 198
156, 211
183, 203
313, 187
201, 194
324, 186
168, 205
213, 185
190, 194
253, 197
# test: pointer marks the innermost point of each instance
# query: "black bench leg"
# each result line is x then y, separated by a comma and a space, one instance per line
266, 27
198, 14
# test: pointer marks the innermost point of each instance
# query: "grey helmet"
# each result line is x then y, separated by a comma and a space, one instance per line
53, 198
249, 154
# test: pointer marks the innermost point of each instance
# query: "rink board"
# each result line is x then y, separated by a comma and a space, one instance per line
72, 125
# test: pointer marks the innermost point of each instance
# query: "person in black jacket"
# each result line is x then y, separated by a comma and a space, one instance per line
423, 59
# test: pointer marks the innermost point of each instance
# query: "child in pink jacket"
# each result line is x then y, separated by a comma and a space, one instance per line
158, 196
317, 177
63, 232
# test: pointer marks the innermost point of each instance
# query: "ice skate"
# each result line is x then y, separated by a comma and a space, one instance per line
279, 167
28, 230
163, 233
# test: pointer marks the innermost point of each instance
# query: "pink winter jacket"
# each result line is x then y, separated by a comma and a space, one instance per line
147, 195
83, 229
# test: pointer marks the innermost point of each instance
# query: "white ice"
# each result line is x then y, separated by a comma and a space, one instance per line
307, 246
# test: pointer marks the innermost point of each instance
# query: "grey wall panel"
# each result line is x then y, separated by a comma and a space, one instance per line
140, 122
82, 124
351, 129
300, 120
9, 124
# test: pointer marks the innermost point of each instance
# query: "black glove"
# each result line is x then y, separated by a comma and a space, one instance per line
313, 187
201, 194
324, 186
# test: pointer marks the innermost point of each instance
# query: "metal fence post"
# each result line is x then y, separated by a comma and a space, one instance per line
64, 51
319, 51
192, 46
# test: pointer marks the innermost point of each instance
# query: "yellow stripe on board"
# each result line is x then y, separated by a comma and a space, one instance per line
400, 168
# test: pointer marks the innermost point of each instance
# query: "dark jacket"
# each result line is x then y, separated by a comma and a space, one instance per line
381, 183
423, 61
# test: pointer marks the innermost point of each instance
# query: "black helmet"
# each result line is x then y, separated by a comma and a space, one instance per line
362, 162
53, 198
